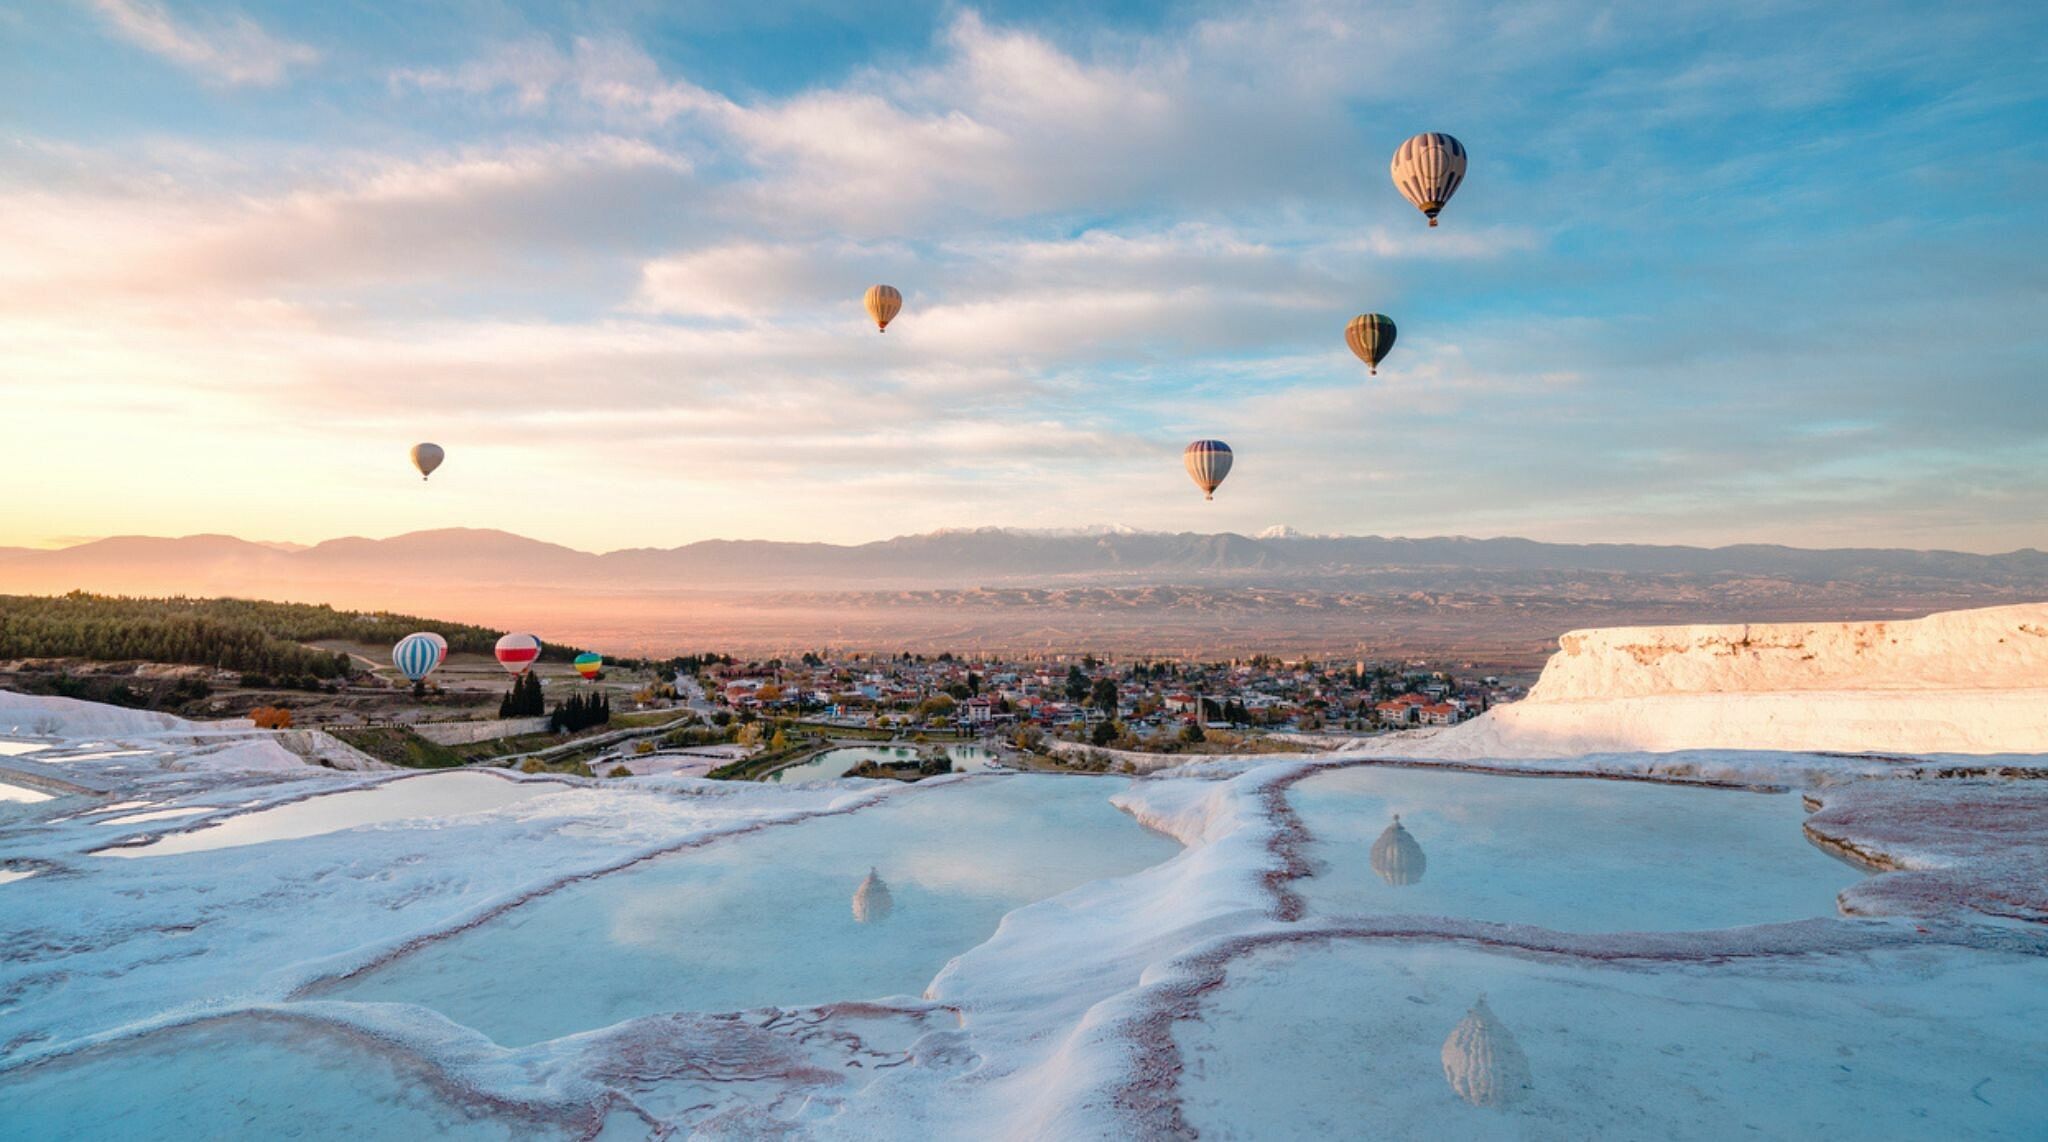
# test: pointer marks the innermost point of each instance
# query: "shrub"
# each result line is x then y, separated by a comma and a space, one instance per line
271, 718
532, 765
619, 771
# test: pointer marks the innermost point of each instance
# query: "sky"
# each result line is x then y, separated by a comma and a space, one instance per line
1721, 272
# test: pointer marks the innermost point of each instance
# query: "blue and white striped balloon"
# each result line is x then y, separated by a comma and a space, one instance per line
416, 655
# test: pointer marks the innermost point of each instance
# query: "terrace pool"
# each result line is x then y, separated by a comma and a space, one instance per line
1571, 855
771, 917
243, 1078
833, 764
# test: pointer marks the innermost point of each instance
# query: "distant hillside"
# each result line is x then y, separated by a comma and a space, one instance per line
228, 634
434, 560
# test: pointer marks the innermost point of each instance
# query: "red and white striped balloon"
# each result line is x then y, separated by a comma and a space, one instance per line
517, 652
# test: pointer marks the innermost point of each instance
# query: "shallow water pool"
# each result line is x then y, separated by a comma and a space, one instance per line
770, 917
433, 795
242, 1078
1572, 855
833, 764
1326, 1040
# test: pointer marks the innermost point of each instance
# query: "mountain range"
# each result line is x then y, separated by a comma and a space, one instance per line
1096, 588
209, 563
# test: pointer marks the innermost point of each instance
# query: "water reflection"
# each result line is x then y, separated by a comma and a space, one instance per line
834, 764
1482, 1061
1397, 856
871, 901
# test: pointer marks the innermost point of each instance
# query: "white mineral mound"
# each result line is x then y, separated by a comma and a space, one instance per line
40, 716
1971, 682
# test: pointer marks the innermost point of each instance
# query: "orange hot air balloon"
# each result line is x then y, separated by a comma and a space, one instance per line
884, 303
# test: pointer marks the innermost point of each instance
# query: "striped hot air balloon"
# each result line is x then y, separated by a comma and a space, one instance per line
883, 303
1208, 461
416, 655
1428, 169
427, 457
588, 664
1370, 335
517, 652
440, 647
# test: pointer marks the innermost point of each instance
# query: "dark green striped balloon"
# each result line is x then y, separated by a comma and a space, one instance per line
1370, 335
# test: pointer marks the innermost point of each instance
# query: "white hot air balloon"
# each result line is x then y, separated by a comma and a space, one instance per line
1428, 169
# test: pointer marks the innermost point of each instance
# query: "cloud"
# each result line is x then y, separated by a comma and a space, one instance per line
610, 75
229, 50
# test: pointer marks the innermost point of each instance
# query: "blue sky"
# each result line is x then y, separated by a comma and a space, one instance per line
1720, 273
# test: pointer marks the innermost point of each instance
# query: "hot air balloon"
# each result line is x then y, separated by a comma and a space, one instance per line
416, 655
517, 652
1208, 461
1370, 335
440, 647
1428, 169
588, 664
883, 303
427, 457
1482, 1061
871, 901
1396, 857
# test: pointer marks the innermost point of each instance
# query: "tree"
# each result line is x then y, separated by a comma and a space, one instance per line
1192, 733
1103, 696
618, 771
1077, 684
271, 718
1106, 731
779, 742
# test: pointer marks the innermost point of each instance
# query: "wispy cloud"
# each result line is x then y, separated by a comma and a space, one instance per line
229, 50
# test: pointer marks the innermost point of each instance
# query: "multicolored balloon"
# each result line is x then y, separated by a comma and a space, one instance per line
588, 664
1208, 462
416, 655
1428, 169
427, 457
518, 652
1370, 335
440, 647
883, 303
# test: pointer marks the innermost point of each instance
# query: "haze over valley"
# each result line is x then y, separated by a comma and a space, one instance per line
1115, 590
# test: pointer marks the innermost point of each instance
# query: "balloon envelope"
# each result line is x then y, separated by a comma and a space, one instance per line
427, 457
883, 303
1370, 335
518, 651
1208, 462
416, 655
588, 664
440, 647
1428, 169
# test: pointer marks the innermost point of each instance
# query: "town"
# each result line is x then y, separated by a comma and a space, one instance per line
1143, 705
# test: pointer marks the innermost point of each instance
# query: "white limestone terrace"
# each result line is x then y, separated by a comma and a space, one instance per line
1959, 682
1087, 1014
